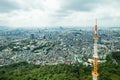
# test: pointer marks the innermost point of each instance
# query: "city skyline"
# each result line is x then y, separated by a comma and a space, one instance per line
37, 13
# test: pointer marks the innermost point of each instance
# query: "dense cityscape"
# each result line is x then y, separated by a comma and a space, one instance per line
51, 46
59, 39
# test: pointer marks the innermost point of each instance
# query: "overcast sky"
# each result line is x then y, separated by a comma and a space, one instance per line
24, 13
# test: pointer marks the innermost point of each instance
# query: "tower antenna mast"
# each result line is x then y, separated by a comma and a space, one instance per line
95, 55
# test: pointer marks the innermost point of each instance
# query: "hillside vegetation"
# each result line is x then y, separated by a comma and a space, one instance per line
24, 71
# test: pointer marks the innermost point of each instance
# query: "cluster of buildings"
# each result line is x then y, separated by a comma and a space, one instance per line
55, 46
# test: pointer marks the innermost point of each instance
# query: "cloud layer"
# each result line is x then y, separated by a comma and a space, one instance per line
29, 13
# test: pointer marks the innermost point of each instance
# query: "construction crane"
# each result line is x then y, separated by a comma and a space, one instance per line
95, 55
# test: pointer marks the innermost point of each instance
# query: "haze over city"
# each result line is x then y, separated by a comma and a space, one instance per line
42, 13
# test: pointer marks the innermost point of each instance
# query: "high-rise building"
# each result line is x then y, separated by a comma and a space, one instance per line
32, 36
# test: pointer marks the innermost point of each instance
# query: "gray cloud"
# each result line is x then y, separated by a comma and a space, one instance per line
87, 5
80, 5
69, 12
7, 6
61, 13
69, 6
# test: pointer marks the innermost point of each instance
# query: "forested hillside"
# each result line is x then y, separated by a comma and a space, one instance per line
24, 71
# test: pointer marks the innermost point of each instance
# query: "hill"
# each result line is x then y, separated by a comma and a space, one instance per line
24, 71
